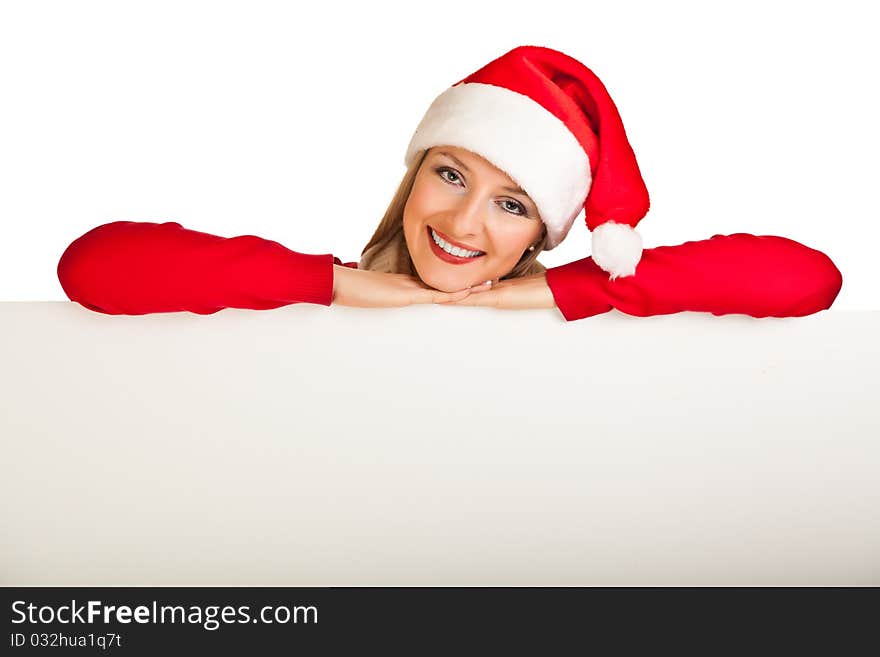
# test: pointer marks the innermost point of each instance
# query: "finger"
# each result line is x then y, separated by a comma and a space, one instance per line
470, 300
450, 297
482, 287
475, 289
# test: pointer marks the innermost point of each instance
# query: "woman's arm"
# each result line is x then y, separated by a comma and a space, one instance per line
134, 268
741, 273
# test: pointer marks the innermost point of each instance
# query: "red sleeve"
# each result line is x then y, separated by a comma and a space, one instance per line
133, 268
745, 274
351, 265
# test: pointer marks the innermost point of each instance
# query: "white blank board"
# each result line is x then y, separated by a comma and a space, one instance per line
436, 445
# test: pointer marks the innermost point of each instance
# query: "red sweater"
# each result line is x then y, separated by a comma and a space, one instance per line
133, 268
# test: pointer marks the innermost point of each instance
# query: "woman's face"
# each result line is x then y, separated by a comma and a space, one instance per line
462, 199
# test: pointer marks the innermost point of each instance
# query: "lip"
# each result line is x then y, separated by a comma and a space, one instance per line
447, 239
448, 257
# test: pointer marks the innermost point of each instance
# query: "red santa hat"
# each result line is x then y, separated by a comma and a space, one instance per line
548, 122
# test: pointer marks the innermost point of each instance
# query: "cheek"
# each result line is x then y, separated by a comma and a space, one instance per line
511, 241
421, 201
412, 218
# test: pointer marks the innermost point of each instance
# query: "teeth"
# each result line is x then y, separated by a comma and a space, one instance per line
454, 250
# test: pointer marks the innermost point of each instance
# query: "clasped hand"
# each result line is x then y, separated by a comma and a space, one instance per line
364, 288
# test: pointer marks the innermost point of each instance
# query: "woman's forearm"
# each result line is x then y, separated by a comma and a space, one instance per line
134, 268
740, 273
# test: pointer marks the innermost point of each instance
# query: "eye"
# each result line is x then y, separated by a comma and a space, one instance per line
522, 211
441, 170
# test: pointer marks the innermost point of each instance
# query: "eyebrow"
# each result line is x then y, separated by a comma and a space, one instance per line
515, 190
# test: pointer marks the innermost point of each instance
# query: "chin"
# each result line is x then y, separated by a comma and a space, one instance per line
444, 283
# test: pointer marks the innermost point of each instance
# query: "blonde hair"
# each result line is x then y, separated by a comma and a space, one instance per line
387, 251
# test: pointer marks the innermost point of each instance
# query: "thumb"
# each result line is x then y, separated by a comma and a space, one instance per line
451, 297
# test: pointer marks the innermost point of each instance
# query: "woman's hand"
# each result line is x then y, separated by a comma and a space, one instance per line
513, 294
373, 289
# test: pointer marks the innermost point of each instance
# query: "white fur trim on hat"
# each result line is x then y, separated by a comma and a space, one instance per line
520, 137
617, 248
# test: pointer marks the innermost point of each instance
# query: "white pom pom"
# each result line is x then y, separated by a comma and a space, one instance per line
617, 248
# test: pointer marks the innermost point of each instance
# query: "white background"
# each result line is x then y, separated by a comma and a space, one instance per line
290, 120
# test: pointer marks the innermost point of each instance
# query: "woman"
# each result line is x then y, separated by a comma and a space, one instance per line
497, 171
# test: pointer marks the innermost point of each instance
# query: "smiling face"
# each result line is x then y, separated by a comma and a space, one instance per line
461, 200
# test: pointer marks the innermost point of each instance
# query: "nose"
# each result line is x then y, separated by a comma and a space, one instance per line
468, 217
